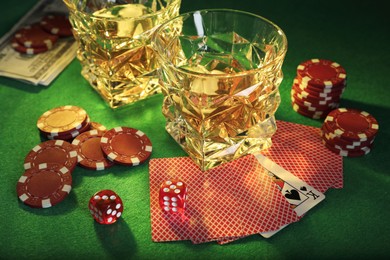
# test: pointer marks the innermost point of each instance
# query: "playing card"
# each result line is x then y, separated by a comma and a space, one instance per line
240, 198
307, 140
311, 170
233, 200
170, 227
259, 193
301, 196
298, 193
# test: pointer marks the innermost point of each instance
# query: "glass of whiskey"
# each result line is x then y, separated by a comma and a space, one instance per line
115, 50
220, 74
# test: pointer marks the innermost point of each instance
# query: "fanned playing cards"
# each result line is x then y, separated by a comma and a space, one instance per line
233, 200
259, 194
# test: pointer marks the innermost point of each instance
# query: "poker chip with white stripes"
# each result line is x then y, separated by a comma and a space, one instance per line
69, 136
41, 36
26, 50
52, 151
97, 126
33, 36
125, 145
63, 120
321, 73
57, 25
44, 185
318, 87
349, 132
89, 153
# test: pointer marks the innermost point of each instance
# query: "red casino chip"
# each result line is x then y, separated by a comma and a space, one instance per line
25, 50
352, 124
326, 94
305, 85
313, 106
310, 99
52, 151
321, 73
310, 109
98, 126
57, 25
343, 146
86, 126
342, 143
127, 146
90, 154
348, 153
62, 120
307, 113
33, 36
45, 185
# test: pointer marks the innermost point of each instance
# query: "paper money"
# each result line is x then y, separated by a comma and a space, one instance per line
38, 69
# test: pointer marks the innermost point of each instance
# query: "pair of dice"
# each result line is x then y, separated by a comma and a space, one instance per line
106, 206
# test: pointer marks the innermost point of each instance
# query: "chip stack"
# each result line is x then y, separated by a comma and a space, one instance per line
318, 87
41, 37
63, 123
349, 132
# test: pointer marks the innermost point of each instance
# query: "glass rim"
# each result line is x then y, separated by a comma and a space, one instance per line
71, 7
280, 55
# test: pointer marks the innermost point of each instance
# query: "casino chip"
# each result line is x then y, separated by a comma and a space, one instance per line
53, 151
352, 124
41, 37
86, 126
349, 132
62, 120
127, 146
338, 142
318, 87
33, 36
98, 126
57, 25
89, 152
321, 73
44, 185
26, 50
305, 112
348, 153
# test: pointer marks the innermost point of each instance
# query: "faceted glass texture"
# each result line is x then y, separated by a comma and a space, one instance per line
115, 45
220, 73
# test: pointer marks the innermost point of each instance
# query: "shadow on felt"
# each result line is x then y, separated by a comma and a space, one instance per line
117, 239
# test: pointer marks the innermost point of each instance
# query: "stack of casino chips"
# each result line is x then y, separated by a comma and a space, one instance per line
63, 123
318, 87
42, 36
349, 132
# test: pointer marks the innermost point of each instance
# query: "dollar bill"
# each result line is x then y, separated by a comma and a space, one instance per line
37, 69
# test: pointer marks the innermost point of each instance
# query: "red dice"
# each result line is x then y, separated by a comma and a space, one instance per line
172, 196
106, 207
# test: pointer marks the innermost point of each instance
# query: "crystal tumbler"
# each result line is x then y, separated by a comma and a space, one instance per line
114, 40
220, 75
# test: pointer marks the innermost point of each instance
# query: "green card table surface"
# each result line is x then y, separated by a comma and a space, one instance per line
351, 223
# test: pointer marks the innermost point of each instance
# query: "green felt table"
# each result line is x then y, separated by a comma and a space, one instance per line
352, 222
